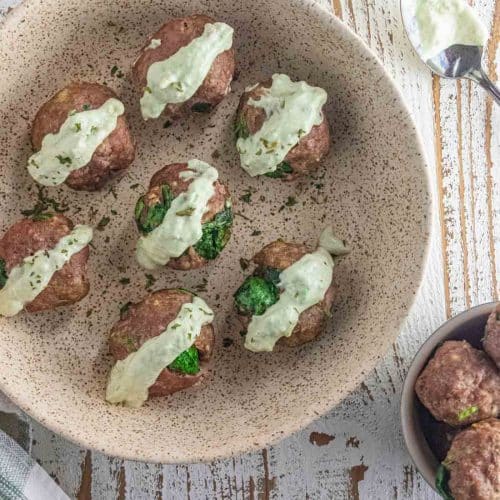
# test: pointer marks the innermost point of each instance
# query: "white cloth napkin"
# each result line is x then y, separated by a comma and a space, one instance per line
21, 478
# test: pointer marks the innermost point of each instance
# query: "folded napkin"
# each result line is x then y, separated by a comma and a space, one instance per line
21, 478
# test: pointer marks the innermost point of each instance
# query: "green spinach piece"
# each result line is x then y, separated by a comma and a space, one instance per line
255, 295
3, 273
442, 478
188, 362
216, 234
149, 218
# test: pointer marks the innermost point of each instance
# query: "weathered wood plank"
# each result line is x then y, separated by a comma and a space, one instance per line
356, 451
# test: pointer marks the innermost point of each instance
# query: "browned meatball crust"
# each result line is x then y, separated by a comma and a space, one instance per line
312, 148
460, 385
25, 238
170, 175
148, 319
312, 322
177, 33
491, 341
474, 462
112, 156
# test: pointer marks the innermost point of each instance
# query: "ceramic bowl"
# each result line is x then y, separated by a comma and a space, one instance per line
420, 431
373, 188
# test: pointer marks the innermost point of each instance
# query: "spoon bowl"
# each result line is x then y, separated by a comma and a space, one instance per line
457, 61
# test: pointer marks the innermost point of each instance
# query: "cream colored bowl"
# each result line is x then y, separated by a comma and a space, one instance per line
373, 189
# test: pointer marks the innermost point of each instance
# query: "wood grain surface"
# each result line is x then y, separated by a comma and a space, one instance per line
356, 451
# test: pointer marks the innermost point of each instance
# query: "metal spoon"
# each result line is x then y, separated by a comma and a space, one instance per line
457, 61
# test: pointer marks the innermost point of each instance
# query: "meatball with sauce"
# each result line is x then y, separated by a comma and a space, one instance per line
81, 138
159, 317
460, 385
274, 136
157, 207
473, 462
491, 341
187, 65
266, 286
43, 264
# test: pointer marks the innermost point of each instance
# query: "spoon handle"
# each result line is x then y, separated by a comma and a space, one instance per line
480, 77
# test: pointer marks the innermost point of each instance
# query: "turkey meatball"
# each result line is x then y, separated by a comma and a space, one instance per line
93, 147
460, 385
149, 318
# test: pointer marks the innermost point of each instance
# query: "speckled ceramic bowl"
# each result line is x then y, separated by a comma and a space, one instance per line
417, 423
373, 189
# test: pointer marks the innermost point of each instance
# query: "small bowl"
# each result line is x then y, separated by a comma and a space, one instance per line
468, 325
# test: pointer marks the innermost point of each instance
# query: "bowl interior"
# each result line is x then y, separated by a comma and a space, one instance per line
372, 188
428, 440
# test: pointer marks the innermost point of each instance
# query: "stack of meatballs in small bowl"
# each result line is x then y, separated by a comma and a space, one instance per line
81, 138
460, 388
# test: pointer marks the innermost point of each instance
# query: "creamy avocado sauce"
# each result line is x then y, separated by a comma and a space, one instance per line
74, 144
303, 285
181, 227
292, 109
443, 23
131, 378
155, 43
176, 79
27, 280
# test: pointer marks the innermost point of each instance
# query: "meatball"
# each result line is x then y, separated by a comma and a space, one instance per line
110, 158
304, 157
459, 385
25, 238
473, 462
167, 184
491, 341
173, 35
148, 319
260, 291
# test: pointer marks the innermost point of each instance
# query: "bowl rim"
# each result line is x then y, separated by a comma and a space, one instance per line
420, 452
328, 21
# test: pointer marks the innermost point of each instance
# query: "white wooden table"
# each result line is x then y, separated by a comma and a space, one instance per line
356, 451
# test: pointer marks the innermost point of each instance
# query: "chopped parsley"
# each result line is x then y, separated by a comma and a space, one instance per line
103, 223
282, 169
116, 71
86, 107
185, 212
63, 160
291, 201
247, 197
241, 130
150, 280
124, 281
78, 127
201, 107
124, 309
39, 211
